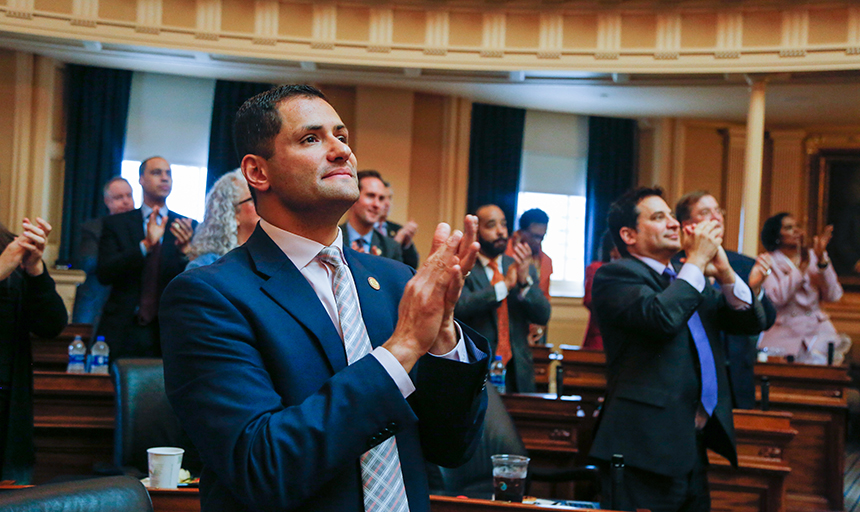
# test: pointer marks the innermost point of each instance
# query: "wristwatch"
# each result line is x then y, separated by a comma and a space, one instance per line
529, 282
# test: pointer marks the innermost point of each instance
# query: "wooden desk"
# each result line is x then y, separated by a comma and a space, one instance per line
759, 484
815, 395
557, 434
52, 354
584, 370
187, 500
73, 415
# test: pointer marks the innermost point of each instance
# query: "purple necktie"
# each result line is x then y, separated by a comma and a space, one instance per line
706, 356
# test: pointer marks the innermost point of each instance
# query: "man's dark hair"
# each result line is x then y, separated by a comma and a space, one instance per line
533, 216
685, 205
142, 167
258, 121
606, 246
368, 173
624, 213
770, 231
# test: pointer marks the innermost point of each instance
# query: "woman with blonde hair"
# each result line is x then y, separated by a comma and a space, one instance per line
229, 220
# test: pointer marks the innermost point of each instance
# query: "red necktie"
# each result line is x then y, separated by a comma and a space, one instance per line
149, 289
503, 345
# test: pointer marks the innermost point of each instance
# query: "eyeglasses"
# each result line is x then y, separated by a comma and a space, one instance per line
243, 201
707, 212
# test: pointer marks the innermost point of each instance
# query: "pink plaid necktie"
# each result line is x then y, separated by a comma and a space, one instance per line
381, 476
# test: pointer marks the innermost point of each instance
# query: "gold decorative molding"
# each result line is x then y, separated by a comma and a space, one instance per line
587, 35
266, 22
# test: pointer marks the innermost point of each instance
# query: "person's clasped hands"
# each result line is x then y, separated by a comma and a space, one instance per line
26, 250
702, 243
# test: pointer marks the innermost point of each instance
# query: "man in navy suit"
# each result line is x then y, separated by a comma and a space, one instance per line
700, 206
667, 396
139, 253
255, 363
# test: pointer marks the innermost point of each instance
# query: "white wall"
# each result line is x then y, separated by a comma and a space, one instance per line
555, 153
169, 116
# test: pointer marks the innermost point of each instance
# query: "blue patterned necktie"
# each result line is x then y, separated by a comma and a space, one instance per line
381, 476
706, 357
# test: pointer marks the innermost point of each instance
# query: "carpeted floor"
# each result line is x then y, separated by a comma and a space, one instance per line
852, 477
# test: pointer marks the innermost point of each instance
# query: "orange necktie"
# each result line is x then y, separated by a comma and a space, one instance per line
503, 347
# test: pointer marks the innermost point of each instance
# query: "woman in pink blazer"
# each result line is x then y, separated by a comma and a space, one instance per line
802, 278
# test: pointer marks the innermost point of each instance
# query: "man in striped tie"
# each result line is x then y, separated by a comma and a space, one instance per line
667, 393
309, 375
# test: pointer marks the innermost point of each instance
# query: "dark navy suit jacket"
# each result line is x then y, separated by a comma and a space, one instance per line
652, 370
257, 374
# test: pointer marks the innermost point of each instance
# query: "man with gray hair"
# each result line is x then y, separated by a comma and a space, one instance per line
91, 294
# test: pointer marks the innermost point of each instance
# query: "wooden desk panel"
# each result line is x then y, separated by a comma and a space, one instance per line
815, 395
52, 354
557, 434
759, 483
73, 415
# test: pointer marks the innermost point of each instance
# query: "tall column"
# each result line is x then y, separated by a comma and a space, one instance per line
751, 202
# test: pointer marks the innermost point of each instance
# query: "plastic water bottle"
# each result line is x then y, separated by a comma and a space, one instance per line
497, 374
77, 356
100, 355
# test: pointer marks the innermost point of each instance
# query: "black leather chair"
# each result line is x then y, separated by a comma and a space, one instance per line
475, 477
144, 417
108, 494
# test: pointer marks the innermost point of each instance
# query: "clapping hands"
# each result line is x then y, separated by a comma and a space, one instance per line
26, 250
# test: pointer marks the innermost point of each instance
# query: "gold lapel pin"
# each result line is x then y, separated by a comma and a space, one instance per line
373, 283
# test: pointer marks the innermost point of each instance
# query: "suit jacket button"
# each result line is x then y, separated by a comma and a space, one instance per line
392, 425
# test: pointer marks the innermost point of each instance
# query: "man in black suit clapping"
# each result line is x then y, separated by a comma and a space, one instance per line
667, 395
139, 253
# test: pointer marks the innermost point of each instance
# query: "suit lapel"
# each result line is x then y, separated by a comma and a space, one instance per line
374, 310
135, 231
479, 274
290, 290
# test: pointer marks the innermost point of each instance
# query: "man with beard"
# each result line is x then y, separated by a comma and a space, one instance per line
501, 297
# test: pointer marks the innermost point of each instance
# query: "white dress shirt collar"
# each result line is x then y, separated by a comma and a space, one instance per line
300, 250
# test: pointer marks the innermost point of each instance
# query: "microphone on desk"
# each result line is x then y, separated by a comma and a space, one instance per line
559, 381
831, 347
616, 474
765, 393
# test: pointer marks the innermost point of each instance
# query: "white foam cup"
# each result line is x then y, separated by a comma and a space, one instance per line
164, 465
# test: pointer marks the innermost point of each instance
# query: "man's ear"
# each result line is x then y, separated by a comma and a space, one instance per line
628, 236
256, 171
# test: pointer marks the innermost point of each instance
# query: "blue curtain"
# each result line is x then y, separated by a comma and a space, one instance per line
611, 172
229, 96
97, 110
495, 155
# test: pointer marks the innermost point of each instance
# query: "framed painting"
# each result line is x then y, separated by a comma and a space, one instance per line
835, 200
